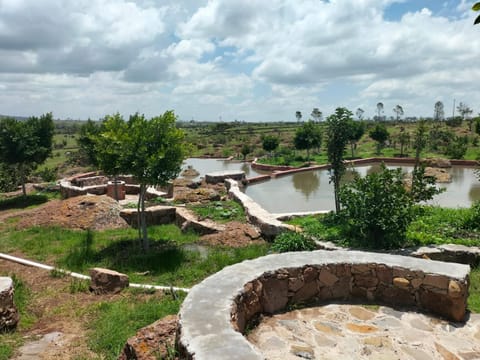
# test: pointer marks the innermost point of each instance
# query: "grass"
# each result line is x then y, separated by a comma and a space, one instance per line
24, 202
474, 291
114, 322
220, 211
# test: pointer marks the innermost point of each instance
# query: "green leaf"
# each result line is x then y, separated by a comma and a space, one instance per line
476, 7
477, 20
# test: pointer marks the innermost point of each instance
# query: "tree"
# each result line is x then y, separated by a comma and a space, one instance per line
316, 115
245, 150
153, 154
465, 113
398, 110
403, 139
476, 7
308, 136
380, 135
360, 113
379, 111
25, 144
438, 111
298, 115
86, 142
377, 209
337, 138
270, 143
477, 125
356, 129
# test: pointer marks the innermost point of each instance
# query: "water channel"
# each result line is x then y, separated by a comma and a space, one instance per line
311, 190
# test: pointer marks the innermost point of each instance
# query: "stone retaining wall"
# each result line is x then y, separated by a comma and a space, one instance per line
216, 311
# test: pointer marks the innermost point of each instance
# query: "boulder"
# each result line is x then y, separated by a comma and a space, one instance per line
155, 341
105, 281
437, 163
8, 311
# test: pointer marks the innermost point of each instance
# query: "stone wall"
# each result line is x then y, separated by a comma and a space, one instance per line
217, 311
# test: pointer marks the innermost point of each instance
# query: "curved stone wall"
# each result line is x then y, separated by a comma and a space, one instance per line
217, 311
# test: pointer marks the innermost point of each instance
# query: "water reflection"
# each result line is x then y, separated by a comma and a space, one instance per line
205, 166
307, 183
474, 192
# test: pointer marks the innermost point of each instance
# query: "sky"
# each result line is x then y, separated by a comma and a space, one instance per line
227, 60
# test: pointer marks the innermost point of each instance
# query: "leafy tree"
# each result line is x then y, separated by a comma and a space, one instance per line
154, 155
270, 143
8, 179
338, 127
477, 125
476, 7
403, 139
398, 110
86, 142
465, 112
438, 111
25, 144
308, 136
380, 135
356, 129
245, 150
457, 148
377, 209
316, 115
298, 115
360, 113
420, 140
379, 111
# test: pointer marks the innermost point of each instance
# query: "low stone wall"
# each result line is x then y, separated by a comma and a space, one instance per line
9, 316
155, 215
269, 226
217, 311
220, 176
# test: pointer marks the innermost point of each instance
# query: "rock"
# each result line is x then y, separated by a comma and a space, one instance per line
104, 281
190, 172
9, 316
437, 163
441, 175
155, 341
220, 176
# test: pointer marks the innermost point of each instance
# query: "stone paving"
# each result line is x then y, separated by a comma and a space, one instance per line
339, 331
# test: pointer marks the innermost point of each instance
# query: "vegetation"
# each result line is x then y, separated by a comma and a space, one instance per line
476, 7
292, 241
221, 211
379, 134
307, 137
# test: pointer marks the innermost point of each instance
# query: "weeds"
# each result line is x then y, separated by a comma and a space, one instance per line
221, 211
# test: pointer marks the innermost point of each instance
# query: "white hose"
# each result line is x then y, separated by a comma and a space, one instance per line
84, 277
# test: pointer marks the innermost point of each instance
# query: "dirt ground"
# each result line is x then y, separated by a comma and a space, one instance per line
56, 308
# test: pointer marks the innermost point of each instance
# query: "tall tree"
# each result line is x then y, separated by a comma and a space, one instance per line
298, 115
398, 110
337, 139
379, 111
86, 142
360, 113
438, 111
403, 139
380, 135
308, 136
25, 144
356, 129
316, 115
465, 112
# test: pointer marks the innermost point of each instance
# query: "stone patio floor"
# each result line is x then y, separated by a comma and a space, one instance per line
341, 332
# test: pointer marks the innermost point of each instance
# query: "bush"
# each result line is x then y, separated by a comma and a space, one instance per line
47, 174
292, 241
377, 209
472, 220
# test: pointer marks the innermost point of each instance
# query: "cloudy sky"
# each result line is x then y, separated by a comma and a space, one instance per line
246, 60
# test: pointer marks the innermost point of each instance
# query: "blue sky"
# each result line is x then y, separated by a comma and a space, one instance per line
249, 60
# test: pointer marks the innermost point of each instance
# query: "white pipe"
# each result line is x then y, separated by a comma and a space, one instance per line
81, 276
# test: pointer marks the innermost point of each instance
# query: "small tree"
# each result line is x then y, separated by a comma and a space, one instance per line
25, 144
308, 136
245, 150
154, 152
270, 143
379, 111
298, 115
86, 142
398, 110
438, 111
403, 139
360, 113
338, 127
316, 115
380, 135
465, 112
356, 129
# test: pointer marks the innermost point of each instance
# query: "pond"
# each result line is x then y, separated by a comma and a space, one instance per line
205, 166
311, 191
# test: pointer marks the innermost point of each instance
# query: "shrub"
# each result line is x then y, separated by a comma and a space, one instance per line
377, 209
472, 220
292, 241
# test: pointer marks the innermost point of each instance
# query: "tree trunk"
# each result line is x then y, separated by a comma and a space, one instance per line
115, 186
23, 180
352, 148
143, 220
336, 190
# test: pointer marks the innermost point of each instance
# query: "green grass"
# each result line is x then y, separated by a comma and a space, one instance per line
221, 211
23, 202
114, 322
474, 291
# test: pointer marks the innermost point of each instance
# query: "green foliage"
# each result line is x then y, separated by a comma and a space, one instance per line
355, 133
339, 132
86, 143
8, 179
47, 174
245, 150
21, 202
292, 241
423, 187
221, 211
270, 143
307, 137
474, 290
472, 220
379, 134
25, 144
454, 121
377, 209
457, 148
114, 322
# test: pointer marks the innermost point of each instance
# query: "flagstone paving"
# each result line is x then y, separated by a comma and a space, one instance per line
339, 331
